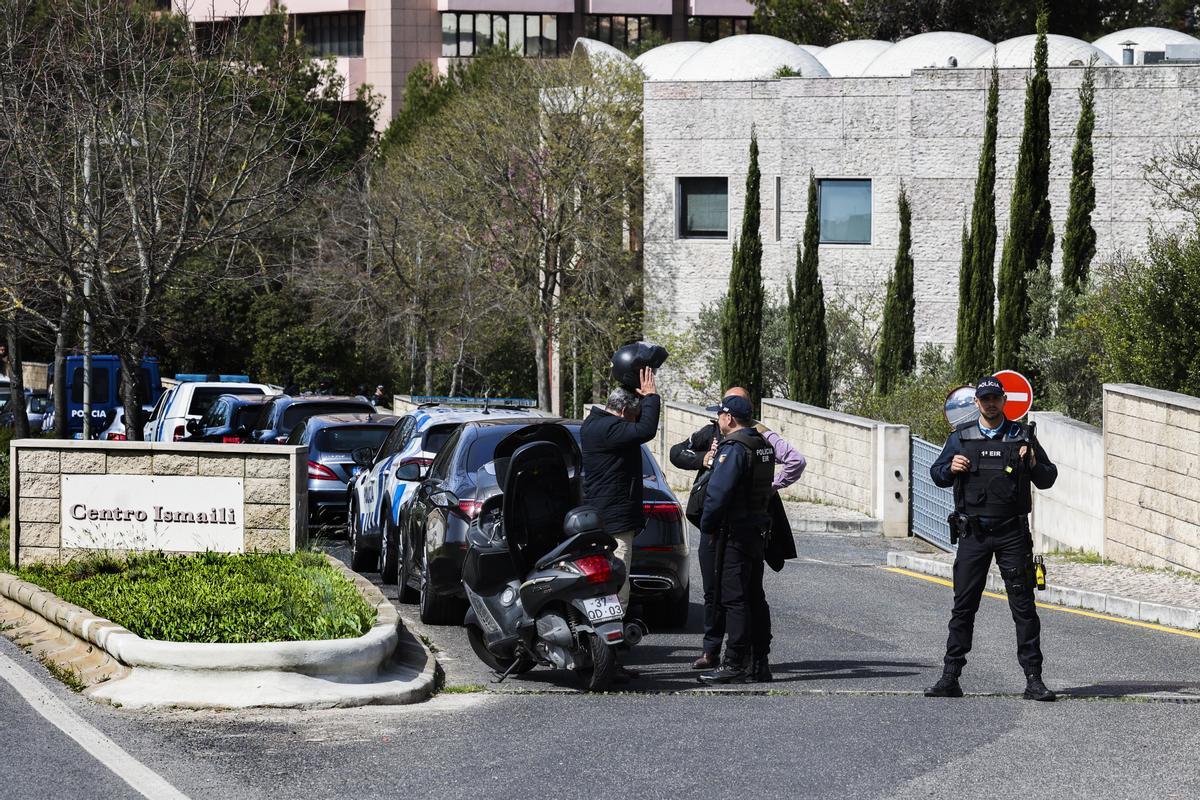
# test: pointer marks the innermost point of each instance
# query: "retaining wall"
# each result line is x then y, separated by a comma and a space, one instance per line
272, 481
1151, 477
1070, 515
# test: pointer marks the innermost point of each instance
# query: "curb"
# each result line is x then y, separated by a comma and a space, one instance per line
385, 665
1181, 617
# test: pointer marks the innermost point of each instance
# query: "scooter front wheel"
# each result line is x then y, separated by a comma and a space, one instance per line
493, 661
600, 674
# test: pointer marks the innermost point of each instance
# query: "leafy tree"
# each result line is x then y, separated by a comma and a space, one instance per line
819, 22
897, 354
1029, 238
1079, 237
976, 290
742, 316
808, 367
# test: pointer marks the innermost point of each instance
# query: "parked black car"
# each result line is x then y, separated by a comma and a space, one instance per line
228, 420
37, 405
280, 414
432, 540
331, 440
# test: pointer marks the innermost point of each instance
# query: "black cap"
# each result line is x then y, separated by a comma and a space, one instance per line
736, 406
988, 387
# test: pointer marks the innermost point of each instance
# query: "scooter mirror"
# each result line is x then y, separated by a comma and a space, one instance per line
960, 406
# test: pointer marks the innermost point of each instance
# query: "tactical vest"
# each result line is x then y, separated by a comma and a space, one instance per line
750, 501
997, 484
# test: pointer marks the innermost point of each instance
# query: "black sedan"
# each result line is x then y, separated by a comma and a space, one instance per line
228, 420
433, 540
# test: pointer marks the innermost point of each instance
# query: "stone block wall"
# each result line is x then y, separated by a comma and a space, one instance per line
1151, 477
274, 480
1070, 515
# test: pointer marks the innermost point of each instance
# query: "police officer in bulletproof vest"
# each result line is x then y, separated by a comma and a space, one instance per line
735, 513
991, 463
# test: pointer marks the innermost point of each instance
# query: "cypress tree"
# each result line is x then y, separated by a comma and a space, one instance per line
1029, 238
741, 315
1079, 237
897, 352
807, 346
976, 288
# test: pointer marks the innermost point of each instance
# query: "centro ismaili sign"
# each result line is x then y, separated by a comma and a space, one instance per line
143, 512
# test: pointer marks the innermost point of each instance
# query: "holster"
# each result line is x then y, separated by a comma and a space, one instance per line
962, 525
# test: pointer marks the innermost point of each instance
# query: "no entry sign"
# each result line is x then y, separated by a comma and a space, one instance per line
1019, 391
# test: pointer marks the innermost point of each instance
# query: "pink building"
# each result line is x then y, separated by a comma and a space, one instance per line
377, 42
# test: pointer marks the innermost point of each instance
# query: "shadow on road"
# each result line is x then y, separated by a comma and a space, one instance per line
845, 670
1131, 688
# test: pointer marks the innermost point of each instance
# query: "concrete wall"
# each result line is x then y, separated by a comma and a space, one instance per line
925, 131
274, 478
1151, 477
853, 463
1070, 516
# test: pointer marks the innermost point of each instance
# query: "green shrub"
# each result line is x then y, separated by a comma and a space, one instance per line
917, 401
6, 435
4, 562
213, 597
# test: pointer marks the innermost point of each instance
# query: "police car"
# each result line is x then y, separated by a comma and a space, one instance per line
389, 477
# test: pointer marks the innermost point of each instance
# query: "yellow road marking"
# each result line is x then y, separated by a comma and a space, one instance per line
1048, 606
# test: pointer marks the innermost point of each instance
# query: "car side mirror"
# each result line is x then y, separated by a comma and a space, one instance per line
443, 499
363, 457
193, 426
411, 471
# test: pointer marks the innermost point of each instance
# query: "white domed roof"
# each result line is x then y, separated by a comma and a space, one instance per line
598, 52
811, 49
849, 59
937, 49
660, 63
1063, 51
748, 57
1145, 38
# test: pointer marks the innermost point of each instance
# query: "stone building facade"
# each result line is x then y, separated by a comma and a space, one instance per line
924, 131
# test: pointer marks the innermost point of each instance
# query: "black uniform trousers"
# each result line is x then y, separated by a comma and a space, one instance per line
741, 612
1012, 547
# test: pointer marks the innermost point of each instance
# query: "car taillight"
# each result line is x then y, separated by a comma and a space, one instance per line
320, 472
231, 440
665, 510
469, 508
595, 569
116, 437
280, 440
180, 432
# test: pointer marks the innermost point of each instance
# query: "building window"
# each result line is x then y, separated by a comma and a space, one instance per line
702, 206
845, 211
622, 32
709, 29
533, 35
332, 34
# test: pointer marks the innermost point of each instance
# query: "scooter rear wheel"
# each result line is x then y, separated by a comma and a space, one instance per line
599, 676
495, 662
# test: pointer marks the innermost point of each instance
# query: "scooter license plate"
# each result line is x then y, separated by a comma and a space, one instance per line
602, 609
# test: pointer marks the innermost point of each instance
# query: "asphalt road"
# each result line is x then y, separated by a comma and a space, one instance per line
854, 644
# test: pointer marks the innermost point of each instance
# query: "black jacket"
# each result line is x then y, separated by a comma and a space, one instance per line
689, 454
612, 464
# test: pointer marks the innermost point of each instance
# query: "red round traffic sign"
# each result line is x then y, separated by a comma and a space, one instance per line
1019, 391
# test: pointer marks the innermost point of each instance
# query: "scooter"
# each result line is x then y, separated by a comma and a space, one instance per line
540, 573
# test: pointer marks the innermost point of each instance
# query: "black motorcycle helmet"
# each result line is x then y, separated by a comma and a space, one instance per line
630, 360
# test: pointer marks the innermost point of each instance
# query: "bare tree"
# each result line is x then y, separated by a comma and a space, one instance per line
134, 147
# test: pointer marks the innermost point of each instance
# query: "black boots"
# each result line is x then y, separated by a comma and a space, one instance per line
728, 673
947, 686
760, 669
1036, 690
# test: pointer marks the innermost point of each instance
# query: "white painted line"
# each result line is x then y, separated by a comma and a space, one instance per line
143, 779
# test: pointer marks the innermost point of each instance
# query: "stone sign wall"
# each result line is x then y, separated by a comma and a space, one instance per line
67, 496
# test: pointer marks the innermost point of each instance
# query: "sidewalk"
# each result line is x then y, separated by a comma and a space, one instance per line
820, 518
1147, 595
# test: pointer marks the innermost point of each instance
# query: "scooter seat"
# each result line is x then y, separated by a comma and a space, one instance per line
579, 544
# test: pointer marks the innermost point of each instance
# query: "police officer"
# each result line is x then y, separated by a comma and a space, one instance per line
735, 514
991, 463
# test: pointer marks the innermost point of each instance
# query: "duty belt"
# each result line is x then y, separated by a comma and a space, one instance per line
1009, 525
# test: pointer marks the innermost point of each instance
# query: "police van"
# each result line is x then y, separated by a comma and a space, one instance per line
106, 390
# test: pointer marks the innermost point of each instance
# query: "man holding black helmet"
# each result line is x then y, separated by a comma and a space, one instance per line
735, 514
991, 463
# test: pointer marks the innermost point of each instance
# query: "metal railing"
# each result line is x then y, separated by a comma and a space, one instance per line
930, 504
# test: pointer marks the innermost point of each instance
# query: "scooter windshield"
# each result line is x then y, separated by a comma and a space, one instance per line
488, 482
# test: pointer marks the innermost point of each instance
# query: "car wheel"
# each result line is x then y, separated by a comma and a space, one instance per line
674, 612
436, 609
387, 554
361, 558
404, 573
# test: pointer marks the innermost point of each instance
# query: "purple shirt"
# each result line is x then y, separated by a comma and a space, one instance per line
787, 457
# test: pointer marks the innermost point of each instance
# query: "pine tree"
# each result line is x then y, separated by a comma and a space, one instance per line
741, 316
1029, 237
1079, 237
897, 352
807, 346
976, 289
